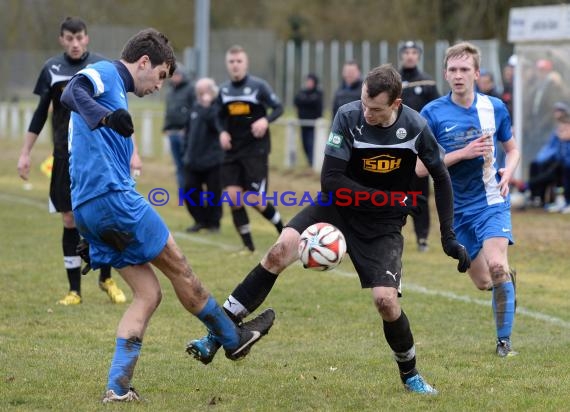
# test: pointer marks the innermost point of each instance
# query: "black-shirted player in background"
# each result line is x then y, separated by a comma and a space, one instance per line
418, 89
55, 74
244, 135
372, 134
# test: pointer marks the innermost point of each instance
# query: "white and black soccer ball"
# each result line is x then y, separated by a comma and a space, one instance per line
322, 247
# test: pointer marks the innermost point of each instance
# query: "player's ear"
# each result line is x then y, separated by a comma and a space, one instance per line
143, 61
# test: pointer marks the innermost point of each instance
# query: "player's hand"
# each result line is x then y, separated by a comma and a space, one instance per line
83, 251
24, 166
259, 128
121, 122
456, 250
411, 206
478, 147
225, 140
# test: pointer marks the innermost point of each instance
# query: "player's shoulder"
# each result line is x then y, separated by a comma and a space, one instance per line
55, 62
412, 119
256, 81
96, 57
436, 104
350, 110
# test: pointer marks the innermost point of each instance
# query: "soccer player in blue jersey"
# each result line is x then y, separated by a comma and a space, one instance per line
122, 229
55, 74
469, 125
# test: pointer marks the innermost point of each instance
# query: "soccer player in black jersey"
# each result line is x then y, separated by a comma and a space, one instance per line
373, 146
244, 135
54, 76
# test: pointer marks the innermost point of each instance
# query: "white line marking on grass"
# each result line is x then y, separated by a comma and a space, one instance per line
5, 197
8, 198
406, 285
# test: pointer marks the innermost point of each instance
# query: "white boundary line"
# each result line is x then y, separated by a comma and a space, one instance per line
405, 285
9, 198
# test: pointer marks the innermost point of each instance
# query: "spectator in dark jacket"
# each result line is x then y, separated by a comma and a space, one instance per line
309, 103
202, 159
350, 88
179, 100
418, 89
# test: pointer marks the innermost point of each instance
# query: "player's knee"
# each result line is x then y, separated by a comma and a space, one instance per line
386, 305
499, 273
280, 255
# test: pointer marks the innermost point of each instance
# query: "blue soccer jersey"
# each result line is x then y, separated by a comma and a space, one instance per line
104, 155
475, 181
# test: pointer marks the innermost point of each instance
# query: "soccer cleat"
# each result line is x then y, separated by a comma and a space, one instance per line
115, 294
423, 245
504, 348
417, 384
203, 349
72, 298
251, 332
130, 396
245, 252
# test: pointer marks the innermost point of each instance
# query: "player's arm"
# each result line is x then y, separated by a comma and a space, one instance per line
259, 127
431, 158
36, 125
78, 96
512, 159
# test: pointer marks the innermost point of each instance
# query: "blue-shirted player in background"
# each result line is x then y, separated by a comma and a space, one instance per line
122, 229
468, 125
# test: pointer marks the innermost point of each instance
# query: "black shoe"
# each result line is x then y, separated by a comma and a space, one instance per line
251, 332
196, 228
213, 229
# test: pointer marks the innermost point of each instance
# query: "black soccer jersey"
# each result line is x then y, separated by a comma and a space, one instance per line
242, 103
55, 75
382, 158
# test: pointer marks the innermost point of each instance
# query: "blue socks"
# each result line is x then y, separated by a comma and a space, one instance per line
124, 360
504, 309
216, 320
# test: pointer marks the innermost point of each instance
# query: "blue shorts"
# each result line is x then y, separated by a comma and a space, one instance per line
122, 229
473, 229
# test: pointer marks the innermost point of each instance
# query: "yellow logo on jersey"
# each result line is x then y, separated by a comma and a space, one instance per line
239, 109
381, 164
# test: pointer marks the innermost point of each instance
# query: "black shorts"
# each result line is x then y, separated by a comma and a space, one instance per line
60, 186
249, 173
377, 258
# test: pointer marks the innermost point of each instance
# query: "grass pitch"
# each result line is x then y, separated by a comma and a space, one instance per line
326, 351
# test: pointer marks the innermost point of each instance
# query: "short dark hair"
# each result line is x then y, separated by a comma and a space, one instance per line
73, 25
384, 78
152, 43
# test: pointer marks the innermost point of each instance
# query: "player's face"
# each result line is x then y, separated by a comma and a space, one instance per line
74, 44
149, 79
236, 64
378, 110
461, 75
410, 58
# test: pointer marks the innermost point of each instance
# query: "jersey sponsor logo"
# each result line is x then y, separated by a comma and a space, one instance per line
359, 129
56, 67
239, 109
401, 133
335, 140
381, 164
449, 129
